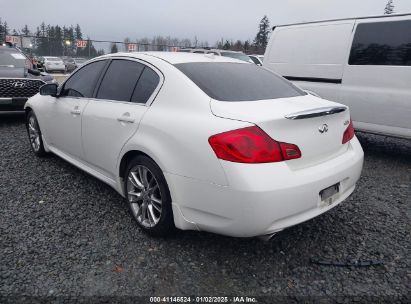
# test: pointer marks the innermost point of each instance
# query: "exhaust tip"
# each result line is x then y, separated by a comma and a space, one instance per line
267, 237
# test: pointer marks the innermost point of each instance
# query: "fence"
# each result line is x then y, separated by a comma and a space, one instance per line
89, 48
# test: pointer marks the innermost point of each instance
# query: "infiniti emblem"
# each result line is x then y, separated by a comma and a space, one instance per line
323, 129
18, 85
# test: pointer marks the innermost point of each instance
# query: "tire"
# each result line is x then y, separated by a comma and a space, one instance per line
34, 133
148, 196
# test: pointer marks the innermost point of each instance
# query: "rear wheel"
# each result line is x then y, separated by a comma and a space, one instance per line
148, 196
34, 133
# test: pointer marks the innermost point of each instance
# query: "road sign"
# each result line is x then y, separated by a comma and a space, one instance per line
81, 43
132, 47
13, 39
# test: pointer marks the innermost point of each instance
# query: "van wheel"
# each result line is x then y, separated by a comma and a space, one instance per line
33, 130
148, 196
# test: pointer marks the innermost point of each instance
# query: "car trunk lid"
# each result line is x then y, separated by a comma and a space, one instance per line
315, 125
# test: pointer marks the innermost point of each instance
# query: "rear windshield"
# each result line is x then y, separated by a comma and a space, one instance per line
227, 81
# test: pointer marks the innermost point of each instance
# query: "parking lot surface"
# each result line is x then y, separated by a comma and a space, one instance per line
63, 232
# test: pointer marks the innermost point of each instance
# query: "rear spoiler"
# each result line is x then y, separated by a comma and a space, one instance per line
316, 112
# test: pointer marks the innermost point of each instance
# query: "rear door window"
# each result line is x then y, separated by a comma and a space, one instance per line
120, 80
146, 85
255, 60
227, 81
382, 43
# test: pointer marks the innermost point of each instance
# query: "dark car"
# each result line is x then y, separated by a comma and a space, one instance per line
18, 79
69, 63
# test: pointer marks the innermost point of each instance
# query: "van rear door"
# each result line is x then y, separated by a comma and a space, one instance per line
312, 55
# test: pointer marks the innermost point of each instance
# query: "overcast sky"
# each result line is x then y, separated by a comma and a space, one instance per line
210, 20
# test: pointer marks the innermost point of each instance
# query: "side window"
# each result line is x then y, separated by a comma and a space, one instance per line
198, 52
120, 80
146, 85
82, 83
255, 60
382, 43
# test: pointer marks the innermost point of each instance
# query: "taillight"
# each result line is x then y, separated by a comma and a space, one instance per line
348, 133
251, 145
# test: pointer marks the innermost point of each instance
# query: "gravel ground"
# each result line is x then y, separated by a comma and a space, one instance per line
64, 233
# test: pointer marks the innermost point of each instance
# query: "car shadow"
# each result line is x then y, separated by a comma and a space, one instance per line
12, 118
385, 147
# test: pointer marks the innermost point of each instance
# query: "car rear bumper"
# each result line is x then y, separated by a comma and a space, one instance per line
55, 68
264, 198
12, 104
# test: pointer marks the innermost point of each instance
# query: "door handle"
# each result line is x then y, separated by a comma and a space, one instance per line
76, 111
126, 118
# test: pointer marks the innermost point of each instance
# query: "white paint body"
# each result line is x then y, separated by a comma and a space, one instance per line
379, 96
235, 199
54, 64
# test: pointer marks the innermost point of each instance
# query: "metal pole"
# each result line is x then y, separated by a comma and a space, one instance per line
89, 49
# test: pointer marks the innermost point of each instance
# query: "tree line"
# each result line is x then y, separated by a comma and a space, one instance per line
56, 40
53, 40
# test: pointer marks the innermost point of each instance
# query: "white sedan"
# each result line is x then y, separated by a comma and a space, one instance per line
200, 142
53, 64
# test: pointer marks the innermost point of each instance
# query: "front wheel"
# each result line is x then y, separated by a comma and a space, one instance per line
34, 133
148, 196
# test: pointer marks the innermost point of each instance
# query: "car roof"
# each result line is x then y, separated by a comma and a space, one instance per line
343, 19
210, 50
178, 57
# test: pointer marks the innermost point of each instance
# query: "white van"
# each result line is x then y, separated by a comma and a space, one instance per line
364, 63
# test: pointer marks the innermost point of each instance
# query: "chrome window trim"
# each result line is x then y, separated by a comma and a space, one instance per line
141, 61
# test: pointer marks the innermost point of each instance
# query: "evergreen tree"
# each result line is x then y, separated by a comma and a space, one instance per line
41, 44
227, 45
77, 32
114, 48
238, 46
25, 30
389, 8
246, 46
5, 28
57, 41
261, 39
1, 32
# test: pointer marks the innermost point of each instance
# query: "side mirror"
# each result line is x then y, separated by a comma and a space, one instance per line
49, 89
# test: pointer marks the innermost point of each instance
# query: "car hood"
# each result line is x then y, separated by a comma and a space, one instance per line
21, 73
12, 73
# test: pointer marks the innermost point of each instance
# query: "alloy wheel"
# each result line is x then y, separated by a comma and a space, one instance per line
34, 133
144, 196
